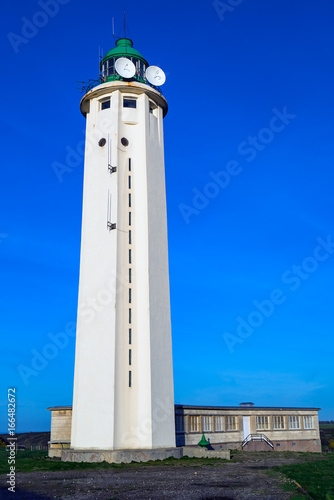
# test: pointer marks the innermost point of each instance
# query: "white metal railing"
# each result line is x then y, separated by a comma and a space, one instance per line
257, 437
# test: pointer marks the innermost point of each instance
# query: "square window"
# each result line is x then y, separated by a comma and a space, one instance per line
219, 423
129, 103
194, 423
179, 423
308, 422
206, 424
294, 422
152, 107
262, 423
105, 104
278, 422
231, 423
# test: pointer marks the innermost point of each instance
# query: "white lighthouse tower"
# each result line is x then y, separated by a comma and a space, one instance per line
123, 384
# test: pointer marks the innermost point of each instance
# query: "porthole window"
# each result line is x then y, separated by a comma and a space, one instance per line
124, 141
102, 142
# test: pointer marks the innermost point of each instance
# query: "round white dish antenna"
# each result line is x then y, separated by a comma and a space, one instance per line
155, 75
125, 67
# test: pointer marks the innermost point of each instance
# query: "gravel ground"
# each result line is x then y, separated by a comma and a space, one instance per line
243, 480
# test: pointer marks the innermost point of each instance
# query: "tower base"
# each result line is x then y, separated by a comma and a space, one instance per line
119, 456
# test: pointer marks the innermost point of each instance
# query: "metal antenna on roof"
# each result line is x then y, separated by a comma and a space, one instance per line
100, 59
113, 28
115, 35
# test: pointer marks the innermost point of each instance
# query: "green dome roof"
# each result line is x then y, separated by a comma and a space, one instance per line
124, 48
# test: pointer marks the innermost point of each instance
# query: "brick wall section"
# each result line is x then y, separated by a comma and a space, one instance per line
313, 445
258, 446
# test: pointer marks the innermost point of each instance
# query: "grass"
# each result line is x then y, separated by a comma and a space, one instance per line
314, 474
32, 461
316, 478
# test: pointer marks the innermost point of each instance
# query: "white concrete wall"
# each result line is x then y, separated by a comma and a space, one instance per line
107, 413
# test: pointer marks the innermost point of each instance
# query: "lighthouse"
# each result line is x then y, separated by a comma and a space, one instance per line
123, 382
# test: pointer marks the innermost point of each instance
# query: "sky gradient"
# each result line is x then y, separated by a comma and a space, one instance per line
249, 176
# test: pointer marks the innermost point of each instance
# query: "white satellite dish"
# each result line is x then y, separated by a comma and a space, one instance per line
125, 67
155, 75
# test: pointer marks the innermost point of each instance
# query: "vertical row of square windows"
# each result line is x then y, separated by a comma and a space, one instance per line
130, 280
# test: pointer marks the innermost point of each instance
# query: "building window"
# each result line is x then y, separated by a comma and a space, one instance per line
130, 256
105, 104
129, 103
262, 423
130, 357
129, 181
179, 423
294, 422
308, 422
129, 218
140, 67
130, 336
130, 238
130, 275
129, 164
129, 199
207, 424
108, 68
194, 423
219, 423
278, 422
152, 107
130, 316
231, 424
130, 296
130, 379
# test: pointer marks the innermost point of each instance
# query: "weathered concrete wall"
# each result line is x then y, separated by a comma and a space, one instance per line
128, 456
120, 456
196, 452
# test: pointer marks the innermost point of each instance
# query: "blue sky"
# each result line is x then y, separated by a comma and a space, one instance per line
249, 175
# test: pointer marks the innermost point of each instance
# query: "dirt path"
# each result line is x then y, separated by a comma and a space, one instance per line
243, 480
